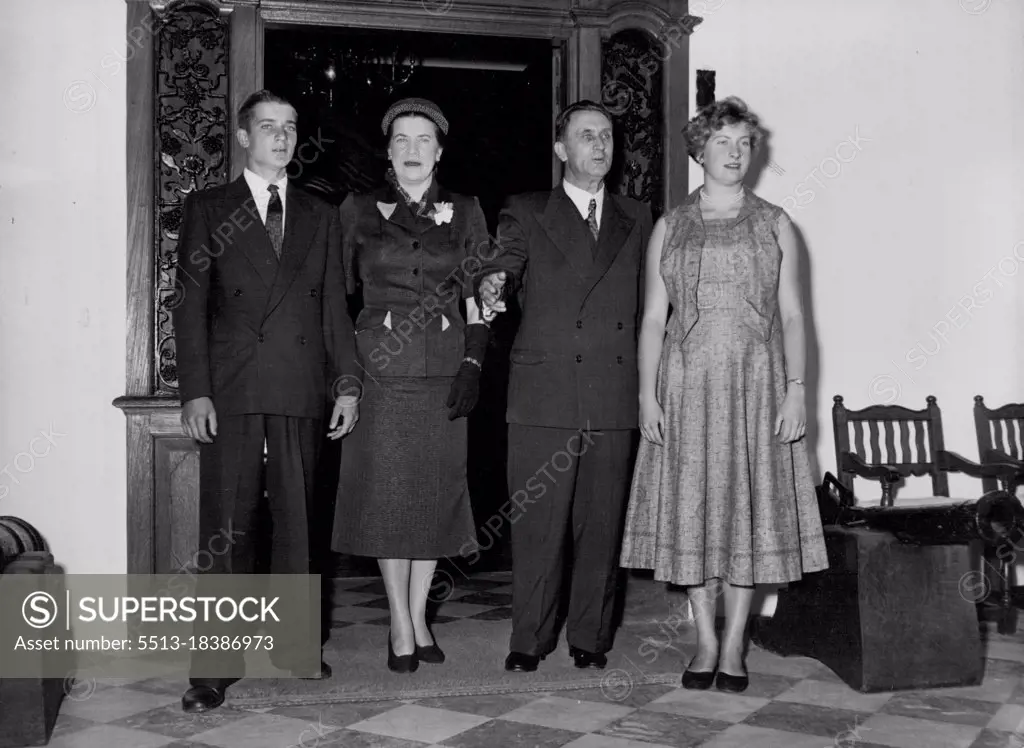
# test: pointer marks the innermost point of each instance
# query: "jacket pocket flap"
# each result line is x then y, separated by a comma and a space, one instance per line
521, 356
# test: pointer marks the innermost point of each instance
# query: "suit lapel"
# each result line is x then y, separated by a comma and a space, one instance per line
563, 224
252, 241
616, 226
299, 226
404, 217
404, 214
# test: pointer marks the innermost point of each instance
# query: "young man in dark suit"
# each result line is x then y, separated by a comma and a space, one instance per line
262, 332
573, 255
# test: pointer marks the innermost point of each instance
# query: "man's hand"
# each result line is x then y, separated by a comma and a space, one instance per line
491, 288
346, 409
199, 420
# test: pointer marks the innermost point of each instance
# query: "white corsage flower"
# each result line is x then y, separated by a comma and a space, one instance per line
442, 213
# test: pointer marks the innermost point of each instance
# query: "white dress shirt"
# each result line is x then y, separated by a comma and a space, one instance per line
258, 186
581, 199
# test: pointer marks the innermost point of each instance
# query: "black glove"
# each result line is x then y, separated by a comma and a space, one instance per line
465, 391
477, 338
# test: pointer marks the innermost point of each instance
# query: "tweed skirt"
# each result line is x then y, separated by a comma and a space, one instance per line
403, 492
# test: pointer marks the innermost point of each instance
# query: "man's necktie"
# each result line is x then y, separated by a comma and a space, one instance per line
592, 218
275, 220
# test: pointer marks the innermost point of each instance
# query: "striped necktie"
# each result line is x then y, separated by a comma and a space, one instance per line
275, 220
592, 218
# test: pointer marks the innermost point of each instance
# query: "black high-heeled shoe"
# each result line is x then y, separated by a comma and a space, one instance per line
732, 683
699, 681
401, 664
431, 653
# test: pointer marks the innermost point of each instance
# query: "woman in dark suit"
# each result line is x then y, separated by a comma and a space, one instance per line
403, 497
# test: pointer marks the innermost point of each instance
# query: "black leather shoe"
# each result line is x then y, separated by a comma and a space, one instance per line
584, 659
732, 683
699, 681
431, 654
323, 673
401, 664
202, 699
517, 662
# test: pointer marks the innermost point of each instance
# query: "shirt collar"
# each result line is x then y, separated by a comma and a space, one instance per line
581, 198
258, 185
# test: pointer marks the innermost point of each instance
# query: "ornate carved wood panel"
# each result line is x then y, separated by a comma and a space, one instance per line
192, 122
633, 90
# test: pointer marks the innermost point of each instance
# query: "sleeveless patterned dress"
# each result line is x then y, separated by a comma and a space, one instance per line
723, 497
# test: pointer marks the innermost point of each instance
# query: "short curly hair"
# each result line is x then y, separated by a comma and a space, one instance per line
715, 116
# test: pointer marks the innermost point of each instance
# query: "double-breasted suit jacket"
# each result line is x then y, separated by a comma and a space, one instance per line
254, 333
574, 357
265, 338
572, 407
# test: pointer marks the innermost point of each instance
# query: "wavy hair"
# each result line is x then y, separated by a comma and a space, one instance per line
715, 116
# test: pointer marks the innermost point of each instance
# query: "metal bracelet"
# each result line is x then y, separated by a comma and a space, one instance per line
471, 360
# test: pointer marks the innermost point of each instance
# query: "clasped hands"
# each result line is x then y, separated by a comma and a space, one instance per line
465, 390
492, 289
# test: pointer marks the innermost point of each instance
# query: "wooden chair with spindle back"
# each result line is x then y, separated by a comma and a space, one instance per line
1000, 434
1000, 439
889, 443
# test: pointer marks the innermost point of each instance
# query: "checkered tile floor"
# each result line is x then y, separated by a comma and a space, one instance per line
485, 597
791, 703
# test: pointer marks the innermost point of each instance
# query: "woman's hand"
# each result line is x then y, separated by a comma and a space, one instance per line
465, 391
652, 421
791, 423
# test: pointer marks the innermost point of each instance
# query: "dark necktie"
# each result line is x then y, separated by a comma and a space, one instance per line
275, 220
592, 218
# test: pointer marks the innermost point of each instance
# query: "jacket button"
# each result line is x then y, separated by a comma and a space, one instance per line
312, 292
302, 339
259, 337
415, 271
620, 325
415, 245
618, 359
579, 359
238, 292
579, 324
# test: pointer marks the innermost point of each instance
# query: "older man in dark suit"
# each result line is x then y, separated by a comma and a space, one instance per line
573, 255
262, 332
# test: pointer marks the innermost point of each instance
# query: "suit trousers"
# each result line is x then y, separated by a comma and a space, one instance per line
570, 489
231, 486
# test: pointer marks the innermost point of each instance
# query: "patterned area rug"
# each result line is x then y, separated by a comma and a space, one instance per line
472, 625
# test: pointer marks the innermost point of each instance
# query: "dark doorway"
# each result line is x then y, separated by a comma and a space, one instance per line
497, 95
495, 92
